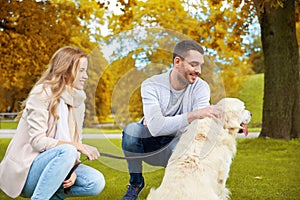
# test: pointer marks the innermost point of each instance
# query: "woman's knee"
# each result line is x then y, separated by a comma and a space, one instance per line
68, 151
97, 184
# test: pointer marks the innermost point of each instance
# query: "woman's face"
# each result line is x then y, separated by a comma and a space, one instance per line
81, 76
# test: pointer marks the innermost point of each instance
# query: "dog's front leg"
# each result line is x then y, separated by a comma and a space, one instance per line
223, 192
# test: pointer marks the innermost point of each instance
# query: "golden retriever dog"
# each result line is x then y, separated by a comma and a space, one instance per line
200, 164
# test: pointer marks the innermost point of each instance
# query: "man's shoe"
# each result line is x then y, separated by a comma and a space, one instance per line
133, 191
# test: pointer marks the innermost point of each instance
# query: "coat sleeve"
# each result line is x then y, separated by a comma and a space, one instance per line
37, 110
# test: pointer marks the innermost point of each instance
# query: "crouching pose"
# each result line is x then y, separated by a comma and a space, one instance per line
171, 101
47, 143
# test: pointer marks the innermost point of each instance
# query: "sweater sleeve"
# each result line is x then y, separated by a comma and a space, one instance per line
201, 95
157, 123
37, 119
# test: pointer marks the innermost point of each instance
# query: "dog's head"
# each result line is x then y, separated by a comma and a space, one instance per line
236, 117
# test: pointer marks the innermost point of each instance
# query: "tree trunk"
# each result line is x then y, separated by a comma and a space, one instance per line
281, 114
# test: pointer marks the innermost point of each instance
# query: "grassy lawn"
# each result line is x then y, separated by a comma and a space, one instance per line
100, 131
262, 169
8, 125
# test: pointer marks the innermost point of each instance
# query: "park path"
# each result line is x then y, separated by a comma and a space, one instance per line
9, 133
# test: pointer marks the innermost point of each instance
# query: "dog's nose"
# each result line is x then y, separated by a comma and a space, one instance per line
251, 114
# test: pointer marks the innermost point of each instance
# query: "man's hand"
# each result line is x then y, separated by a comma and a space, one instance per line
214, 111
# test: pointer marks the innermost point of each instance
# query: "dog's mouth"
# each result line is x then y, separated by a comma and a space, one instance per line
244, 129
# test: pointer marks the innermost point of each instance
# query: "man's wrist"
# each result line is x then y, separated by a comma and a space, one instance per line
191, 116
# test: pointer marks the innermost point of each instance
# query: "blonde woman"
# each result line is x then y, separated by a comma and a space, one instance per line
47, 143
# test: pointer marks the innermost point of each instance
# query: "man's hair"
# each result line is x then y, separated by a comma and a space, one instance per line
181, 49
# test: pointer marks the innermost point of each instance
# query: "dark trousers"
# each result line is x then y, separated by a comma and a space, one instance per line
137, 141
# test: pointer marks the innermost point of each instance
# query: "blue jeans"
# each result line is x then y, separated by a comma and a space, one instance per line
49, 169
137, 141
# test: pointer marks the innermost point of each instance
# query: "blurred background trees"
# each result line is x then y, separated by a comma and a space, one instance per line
30, 32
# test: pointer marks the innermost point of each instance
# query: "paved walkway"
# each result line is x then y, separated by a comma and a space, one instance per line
9, 133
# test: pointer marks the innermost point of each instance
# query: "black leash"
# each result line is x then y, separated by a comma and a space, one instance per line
67, 190
116, 157
145, 155
129, 157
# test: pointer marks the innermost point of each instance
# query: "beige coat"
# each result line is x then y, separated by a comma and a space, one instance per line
35, 134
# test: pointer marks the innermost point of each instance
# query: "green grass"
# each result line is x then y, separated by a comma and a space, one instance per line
266, 169
251, 92
262, 169
8, 125
100, 131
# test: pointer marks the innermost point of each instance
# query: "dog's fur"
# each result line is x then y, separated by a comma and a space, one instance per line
200, 164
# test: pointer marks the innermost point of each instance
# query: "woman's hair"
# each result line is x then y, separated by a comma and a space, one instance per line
61, 71
181, 49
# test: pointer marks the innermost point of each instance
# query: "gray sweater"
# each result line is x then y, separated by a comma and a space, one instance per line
155, 93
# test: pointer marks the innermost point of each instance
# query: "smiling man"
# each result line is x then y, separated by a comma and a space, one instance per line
171, 101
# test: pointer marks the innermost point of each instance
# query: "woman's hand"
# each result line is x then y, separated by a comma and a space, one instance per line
91, 152
71, 181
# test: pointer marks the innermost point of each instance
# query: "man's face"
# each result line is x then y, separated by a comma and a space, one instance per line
190, 66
